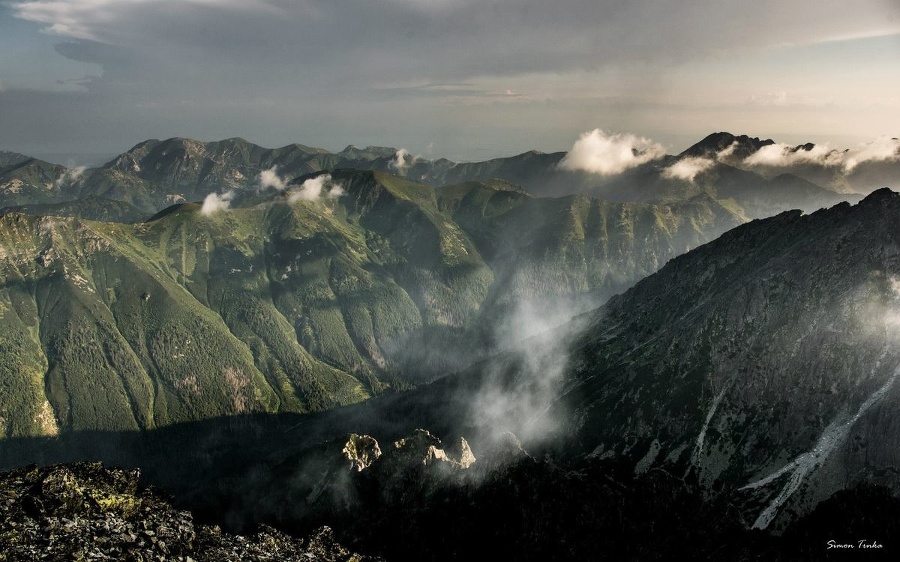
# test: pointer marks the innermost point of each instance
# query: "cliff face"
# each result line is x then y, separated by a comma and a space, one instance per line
764, 364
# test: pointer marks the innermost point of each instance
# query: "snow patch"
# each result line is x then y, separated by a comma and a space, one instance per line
701, 438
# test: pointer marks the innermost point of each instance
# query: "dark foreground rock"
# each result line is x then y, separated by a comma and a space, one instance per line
84, 511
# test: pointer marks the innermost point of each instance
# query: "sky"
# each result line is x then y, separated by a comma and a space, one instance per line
463, 79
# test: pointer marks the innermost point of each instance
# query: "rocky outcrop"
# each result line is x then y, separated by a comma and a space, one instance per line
84, 511
424, 448
361, 451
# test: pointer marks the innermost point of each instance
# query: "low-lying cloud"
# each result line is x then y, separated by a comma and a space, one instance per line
270, 178
782, 155
215, 202
70, 176
882, 149
402, 161
521, 391
314, 188
608, 154
727, 152
688, 168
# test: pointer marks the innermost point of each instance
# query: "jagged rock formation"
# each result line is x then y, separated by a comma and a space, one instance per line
733, 148
340, 477
423, 447
361, 451
88, 512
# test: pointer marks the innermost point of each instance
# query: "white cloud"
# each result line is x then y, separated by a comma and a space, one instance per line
780, 154
336, 190
270, 178
215, 202
70, 176
536, 338
880, 150
401, 161
783, 155
313, 188
727, 151
688, 168
600, 153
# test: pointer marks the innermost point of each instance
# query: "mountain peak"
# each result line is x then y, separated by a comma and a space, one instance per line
717, 142
304, 149
367, 153
880, 196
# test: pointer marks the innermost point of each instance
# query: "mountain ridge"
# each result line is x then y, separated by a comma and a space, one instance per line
725, 395
156, 173
311, 304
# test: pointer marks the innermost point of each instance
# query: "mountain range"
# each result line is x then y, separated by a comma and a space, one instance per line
155, 174
387, 345
747, 386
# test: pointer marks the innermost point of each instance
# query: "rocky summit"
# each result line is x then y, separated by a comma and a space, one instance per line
85, 511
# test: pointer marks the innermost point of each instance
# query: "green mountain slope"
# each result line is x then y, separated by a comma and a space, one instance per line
30, 181
90, 207
299, 306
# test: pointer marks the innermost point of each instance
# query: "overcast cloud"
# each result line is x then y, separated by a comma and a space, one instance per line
408, 72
